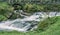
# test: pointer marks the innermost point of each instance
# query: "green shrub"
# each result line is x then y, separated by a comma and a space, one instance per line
43, 25
4, 8
2, 18
33, 7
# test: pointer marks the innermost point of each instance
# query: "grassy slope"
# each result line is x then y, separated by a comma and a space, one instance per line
53, 30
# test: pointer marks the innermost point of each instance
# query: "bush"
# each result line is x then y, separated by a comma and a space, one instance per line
33, 7
4, 8
2, 18
52, 7
43, 25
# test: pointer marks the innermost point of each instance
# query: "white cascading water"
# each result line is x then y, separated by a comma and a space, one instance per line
26, 23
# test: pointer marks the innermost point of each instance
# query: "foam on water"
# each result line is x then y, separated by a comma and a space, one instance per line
22, 24
26, 23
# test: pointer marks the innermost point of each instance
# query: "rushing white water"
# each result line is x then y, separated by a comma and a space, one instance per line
26, 23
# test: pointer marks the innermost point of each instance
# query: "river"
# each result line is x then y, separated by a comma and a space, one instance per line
27, 23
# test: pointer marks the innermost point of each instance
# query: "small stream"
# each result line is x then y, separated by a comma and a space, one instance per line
27, 23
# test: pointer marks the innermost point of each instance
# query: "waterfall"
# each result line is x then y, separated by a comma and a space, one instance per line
27, 23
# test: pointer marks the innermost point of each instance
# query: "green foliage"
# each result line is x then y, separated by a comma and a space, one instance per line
2, 18
42, 7
53, 29
33, 7
43, 25
28, 7
4, 8
52, 7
